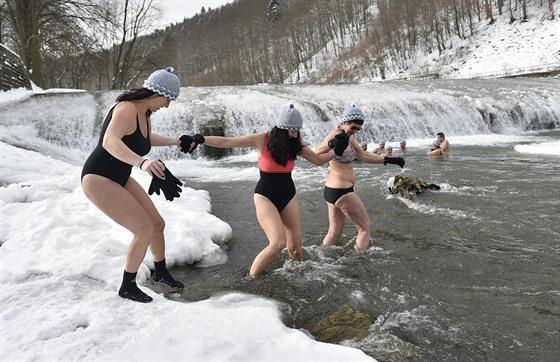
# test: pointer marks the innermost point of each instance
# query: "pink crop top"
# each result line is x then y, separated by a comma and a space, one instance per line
267, 163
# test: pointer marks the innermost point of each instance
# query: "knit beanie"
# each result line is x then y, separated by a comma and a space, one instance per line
353, 114
164, 82
289, 118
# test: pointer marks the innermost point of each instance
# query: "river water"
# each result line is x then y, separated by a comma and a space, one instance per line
468, 273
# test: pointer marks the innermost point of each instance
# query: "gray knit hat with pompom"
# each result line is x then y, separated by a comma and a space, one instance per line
353, 114
289, 118
164, 82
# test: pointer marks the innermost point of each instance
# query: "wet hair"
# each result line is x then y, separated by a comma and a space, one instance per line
441, 134
282, 147
135, 95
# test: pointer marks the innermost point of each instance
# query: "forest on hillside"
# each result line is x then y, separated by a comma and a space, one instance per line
111, 44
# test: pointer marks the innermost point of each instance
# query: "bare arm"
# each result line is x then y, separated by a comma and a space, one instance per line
317, 159
364, 156
255, 140
158, 140
123, 122
437, 151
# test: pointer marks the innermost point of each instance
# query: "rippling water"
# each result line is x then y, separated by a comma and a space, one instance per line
470, 272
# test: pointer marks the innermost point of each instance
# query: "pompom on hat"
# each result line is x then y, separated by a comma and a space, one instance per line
353, 114
289, 118
164, 82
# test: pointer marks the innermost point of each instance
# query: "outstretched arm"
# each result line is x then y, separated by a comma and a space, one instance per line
255, 140
364, 156
158, 140
317, 159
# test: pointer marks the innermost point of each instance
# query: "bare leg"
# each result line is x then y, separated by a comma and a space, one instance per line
336, 225
271, 222
120, 205
351, 205
292, 223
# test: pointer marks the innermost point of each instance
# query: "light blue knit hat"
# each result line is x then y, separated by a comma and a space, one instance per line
289, 118
353, 114
164, 82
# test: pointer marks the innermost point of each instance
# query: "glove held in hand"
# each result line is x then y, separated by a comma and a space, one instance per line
169, 184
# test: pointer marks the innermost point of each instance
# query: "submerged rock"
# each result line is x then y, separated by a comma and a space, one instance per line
343, 324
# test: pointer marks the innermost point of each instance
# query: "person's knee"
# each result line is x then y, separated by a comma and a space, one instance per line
159, 225
146, 232
278, 244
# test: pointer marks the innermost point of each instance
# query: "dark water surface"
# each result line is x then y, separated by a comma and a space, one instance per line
467, 273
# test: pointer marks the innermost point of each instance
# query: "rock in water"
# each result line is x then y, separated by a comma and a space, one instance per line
344, 324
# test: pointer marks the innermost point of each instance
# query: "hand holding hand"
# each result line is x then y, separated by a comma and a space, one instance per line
187, 141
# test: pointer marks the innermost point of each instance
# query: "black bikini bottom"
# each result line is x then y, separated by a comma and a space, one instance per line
332, 195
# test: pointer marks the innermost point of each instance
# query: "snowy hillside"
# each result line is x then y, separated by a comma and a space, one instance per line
494, 50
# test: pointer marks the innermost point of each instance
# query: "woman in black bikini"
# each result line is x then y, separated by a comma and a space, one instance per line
275, 198
125, 138
339, 193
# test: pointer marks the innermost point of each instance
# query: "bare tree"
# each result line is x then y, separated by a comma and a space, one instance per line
131, 56
45, 28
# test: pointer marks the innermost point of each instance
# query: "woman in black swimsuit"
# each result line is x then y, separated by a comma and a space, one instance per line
275, 198
339, 193
125, 138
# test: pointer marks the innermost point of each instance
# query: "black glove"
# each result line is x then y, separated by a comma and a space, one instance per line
169, 184
187, 140
339, 143
394, 160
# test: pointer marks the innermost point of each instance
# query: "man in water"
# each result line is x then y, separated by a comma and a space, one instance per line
408, 187
444, 144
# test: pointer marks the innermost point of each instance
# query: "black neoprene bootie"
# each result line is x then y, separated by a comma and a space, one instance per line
130, 290
161, 275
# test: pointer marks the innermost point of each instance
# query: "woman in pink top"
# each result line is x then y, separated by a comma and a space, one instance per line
275, 198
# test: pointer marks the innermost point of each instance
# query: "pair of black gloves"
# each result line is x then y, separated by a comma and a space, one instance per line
169, 184
340, 142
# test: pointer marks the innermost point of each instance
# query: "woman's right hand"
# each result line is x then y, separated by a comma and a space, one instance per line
154, 168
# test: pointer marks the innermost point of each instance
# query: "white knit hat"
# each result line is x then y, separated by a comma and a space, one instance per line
289, 118
164, 82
